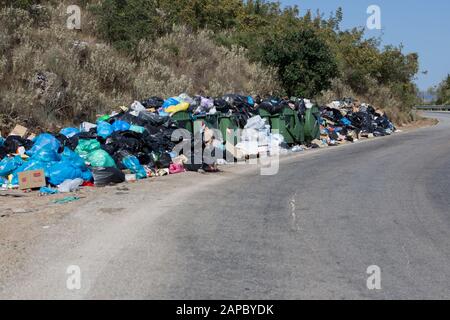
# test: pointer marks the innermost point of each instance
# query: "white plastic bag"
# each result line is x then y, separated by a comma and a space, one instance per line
70, 185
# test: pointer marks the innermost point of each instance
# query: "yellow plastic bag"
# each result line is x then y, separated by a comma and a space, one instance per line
179, 107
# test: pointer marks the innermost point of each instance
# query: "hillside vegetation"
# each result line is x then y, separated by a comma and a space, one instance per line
52, 76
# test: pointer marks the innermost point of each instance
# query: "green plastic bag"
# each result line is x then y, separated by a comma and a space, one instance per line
137, 129
103, 118
100, 158
85, 147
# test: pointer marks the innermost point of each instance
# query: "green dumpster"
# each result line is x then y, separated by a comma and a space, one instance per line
228, 124
210, 121
184, 121
265, 115
286, 123
312, 124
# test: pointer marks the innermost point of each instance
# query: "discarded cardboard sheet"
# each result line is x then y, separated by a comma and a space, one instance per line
19, 130
31, 179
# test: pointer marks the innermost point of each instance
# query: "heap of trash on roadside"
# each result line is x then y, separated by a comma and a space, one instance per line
140, 141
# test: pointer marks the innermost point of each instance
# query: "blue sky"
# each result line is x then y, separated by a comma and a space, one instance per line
422, 26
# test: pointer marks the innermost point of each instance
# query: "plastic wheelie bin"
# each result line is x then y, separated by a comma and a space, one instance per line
312, 124
286, 123
228, 124
184, 120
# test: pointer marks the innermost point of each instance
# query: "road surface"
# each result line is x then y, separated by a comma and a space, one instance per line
309, 232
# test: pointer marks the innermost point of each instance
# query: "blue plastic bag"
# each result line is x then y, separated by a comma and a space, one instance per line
61, 171
104, 129
70, 132
44, 140
47, 190
1, 141
9, 165
346, 122
73, 158
87, 175
170, 102
132, 163
31, 164
120, 125
47, 154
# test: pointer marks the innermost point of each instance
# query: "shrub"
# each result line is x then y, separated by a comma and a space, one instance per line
305, 63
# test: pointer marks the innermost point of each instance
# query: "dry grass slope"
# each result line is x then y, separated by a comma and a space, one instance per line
51, 76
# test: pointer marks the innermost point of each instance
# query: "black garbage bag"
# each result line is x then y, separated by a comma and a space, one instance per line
363, 121
267, 106
153, 102
145, 159
238, 101
332, 114
161, 160
371, 110
300, 107
3, 152
222, 105
383, 122
131, 119
273, 105
106, 176
150, 118
66, 142
91, 134
73, 141
12, 143
151, 129
125, 140
161, 140
110, 148
193, 167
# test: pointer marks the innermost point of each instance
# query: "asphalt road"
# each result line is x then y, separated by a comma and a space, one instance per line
308, 232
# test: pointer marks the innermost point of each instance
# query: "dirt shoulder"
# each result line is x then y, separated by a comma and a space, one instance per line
419, 123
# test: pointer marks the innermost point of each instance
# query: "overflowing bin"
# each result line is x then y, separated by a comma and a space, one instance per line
312, 124
184, 120
287, 123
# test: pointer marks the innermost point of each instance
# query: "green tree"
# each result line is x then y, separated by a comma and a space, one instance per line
305, 64
124, 22
215, 15
443, 92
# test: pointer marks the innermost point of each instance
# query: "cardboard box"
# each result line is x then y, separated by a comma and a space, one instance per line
19, 130
31, 179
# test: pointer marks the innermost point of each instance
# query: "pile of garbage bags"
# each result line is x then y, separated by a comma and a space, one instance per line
136, 142
348, 120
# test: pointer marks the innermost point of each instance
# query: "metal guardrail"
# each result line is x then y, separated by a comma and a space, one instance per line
433, 108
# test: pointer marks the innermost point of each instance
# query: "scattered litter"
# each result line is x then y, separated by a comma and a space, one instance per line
130, 177
21, 210
66, 200
297, 149
19, 131
43, 191
70, 185
31, 179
